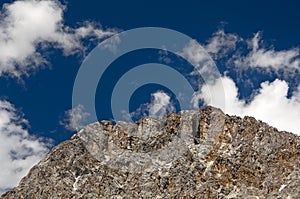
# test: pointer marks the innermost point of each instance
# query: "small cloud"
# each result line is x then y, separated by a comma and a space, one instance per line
164, 57
19, 150
75, 118
160, 105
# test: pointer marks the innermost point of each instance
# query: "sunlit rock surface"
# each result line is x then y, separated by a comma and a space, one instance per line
193, 154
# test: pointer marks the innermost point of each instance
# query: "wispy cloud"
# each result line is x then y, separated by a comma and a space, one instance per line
259, 56
19, 150
245, 53
221, 43
194, 53
218, 46
31, 26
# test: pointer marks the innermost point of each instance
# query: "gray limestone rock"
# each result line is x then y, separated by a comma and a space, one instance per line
192, 154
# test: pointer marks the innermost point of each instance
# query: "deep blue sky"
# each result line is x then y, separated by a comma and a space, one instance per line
277, 19
45, 95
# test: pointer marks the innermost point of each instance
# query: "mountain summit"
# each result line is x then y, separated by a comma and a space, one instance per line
192, 154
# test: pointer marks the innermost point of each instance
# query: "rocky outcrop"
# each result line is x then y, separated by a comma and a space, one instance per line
192, 154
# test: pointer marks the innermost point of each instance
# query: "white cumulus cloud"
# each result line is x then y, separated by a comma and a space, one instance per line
270, 104
19, 150
27, 27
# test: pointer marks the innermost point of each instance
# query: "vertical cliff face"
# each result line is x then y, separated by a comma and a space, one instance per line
197, 154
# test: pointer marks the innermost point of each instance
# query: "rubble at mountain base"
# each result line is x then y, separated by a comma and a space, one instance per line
192, 154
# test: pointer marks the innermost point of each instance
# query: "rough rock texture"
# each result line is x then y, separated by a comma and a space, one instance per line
193, 154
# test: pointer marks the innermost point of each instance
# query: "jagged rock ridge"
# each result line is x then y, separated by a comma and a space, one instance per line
196, 154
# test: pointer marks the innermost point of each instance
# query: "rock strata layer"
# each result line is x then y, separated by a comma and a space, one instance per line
192, 154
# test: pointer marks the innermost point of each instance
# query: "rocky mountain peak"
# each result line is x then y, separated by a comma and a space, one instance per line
194, 154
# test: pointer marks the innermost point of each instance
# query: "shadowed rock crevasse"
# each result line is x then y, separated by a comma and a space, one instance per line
196, 154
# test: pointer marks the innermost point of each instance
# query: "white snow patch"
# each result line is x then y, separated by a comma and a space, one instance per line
282, 187
75, 187
208, 166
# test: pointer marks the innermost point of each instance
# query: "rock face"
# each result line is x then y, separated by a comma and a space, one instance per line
193, 154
